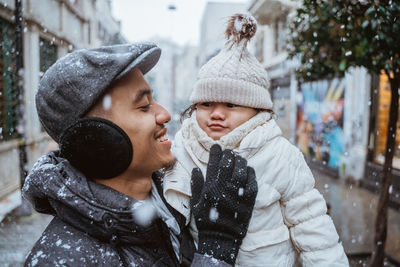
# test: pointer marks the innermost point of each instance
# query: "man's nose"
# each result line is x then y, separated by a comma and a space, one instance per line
162, 115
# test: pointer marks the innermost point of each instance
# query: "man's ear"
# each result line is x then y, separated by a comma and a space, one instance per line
97, 147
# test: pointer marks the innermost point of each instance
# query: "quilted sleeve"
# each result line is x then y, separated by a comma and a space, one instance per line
304, 210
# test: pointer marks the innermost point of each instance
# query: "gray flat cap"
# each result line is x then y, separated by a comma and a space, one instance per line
72, 85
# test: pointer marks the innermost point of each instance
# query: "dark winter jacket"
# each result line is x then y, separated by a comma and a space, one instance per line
93, 224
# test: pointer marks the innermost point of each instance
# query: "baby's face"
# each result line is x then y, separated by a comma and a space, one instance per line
218, 119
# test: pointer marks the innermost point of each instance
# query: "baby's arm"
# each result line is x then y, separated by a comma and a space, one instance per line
304, 209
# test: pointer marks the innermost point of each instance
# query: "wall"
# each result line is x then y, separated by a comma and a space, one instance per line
356, 123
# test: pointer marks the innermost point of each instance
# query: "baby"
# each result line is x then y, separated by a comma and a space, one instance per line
232, 108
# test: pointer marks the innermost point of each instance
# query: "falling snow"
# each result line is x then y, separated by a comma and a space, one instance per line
240, 191
213, 214
107, 102
143, 212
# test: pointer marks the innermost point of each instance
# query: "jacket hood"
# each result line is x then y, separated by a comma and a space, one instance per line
55, 187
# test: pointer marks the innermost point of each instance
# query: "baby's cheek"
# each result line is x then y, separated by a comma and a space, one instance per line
201, 119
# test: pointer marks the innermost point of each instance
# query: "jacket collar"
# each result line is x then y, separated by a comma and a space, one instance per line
55, 187
245, 139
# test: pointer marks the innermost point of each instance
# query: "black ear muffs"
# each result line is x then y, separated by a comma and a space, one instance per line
97, 147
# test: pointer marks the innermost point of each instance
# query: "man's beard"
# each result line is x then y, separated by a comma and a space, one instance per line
169, 166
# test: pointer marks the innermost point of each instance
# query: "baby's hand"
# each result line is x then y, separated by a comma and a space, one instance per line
222, 205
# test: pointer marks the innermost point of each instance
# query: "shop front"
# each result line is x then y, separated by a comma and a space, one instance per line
377, 141
319, 128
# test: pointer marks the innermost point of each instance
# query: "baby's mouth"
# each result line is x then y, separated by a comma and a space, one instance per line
216, 127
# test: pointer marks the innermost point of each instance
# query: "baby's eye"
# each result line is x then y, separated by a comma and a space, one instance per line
206, 104
230, 105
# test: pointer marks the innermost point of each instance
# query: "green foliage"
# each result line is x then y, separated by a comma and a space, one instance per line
332, 35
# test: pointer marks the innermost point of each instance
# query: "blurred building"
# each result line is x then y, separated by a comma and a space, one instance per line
51, 28
213, 25
187, 69
163, 79
340, 124
270, 49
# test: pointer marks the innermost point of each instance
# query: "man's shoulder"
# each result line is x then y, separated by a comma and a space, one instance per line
62, 244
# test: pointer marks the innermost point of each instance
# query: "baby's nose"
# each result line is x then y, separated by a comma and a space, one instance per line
218, 113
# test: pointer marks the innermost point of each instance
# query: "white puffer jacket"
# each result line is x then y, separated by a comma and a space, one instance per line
289, 217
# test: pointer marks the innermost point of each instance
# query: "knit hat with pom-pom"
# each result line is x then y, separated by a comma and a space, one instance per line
234, 75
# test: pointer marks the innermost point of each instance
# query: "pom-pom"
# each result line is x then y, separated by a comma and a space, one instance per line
240, 27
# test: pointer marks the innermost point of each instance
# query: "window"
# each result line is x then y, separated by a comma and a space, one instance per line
276, 36
259, 47
88, 33
48, 54
280, 32
8, 82
101, 32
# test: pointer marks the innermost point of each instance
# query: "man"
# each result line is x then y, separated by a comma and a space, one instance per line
103, 184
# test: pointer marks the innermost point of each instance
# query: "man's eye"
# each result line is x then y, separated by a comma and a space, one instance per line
146, 108
230, 105
206, 104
